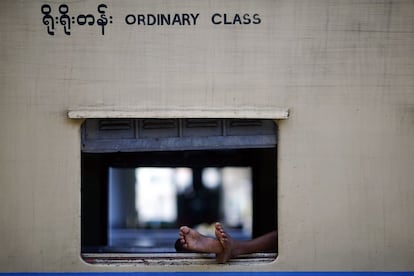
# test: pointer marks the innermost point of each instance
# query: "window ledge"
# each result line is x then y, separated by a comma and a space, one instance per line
174, 259
242, 112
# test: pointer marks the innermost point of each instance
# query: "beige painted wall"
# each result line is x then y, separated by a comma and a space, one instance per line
344, 69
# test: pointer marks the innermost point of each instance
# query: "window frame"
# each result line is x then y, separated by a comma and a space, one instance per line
93, 257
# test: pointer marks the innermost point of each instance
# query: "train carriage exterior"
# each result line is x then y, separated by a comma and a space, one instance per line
334, 77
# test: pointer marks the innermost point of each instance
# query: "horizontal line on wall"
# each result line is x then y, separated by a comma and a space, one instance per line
242, 112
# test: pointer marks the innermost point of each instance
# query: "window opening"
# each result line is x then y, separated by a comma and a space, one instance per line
143, 178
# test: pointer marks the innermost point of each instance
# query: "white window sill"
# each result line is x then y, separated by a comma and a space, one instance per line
117, 112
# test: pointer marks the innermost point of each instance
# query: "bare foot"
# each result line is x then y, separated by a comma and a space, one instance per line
193, 241
227, 242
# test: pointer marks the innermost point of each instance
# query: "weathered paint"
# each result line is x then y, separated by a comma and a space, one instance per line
344, 70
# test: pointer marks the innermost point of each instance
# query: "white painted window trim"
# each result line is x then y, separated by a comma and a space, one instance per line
242, 112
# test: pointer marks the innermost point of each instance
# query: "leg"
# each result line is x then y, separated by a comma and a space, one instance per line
233, 248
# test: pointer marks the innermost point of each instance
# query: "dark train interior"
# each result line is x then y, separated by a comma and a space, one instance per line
134, 200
